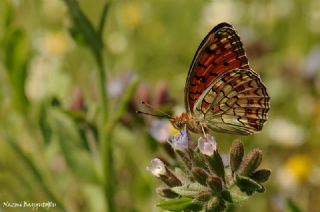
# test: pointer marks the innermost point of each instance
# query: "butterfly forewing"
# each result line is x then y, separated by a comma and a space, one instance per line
219, 52
221, 90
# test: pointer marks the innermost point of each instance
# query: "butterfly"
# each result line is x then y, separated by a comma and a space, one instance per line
222, 92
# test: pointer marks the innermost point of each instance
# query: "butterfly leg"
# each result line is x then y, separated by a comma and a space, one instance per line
203, 131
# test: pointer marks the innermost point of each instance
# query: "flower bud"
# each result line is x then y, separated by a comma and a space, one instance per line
214, 204
215, 184
170, 179
236, 155
166, 192
250, 162
77, 102
157, 167
215, 164
203, 196
200, 175
261, 175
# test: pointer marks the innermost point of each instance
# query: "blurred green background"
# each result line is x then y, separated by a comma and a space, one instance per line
50, 106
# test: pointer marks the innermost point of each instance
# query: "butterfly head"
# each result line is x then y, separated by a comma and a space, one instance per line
179, 122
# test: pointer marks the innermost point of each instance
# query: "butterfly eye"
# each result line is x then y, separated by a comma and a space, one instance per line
179, 124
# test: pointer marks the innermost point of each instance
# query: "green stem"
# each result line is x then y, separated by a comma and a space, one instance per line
106, 141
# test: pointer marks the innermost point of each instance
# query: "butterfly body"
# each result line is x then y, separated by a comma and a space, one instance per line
222, 92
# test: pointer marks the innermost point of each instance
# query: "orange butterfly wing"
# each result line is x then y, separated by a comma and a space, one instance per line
219, 52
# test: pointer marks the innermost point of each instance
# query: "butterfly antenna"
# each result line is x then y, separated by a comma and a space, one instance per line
156, 111
155, 115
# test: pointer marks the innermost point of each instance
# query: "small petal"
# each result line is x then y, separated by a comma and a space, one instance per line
157, 167
182, 140
207, 145
159, 129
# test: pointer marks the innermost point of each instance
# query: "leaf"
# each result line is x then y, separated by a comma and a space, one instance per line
292, 206
16, 62
189, 190
84, 26
233, 197
75, 155
180, 204
45, 128
248, 185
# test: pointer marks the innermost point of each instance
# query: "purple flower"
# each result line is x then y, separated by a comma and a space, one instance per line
207, 145
182, 140
157, 167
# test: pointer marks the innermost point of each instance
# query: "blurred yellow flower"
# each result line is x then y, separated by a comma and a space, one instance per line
55, 43
300, 166
131, 13
295, 170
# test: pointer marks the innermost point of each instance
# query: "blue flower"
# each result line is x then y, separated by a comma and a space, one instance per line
182, 140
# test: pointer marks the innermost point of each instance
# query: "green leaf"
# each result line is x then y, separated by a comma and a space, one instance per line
248, 185
45, 128
180, 204
233, 197
189, 190
292, 206
76, 156
17, 57
84, 26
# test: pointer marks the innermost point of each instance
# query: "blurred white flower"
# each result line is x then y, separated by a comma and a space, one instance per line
222, 11
46, 79
160, 129
117, 85
311, 63
157, 167
285, 132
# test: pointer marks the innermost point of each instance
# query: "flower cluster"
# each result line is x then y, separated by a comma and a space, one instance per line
199, 179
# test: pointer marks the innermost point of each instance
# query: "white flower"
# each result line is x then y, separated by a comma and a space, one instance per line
157, 167
207, 145
285, 132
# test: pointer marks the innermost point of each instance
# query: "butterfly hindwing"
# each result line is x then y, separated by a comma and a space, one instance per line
237, 103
